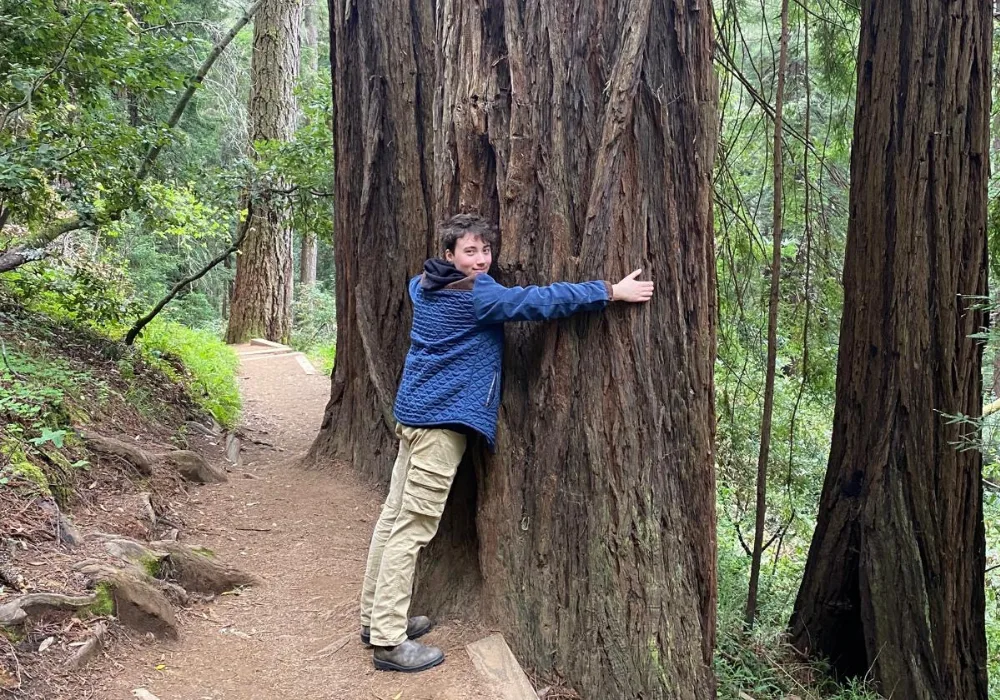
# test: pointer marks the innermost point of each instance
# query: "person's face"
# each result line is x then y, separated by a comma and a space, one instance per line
472, 255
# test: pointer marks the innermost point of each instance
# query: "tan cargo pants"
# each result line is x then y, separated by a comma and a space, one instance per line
421, 479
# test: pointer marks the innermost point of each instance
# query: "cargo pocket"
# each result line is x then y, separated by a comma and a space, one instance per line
427, 488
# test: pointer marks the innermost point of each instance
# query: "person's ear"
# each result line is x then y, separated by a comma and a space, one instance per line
449, 256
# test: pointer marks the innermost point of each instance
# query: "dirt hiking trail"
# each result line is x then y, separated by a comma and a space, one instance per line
305, 534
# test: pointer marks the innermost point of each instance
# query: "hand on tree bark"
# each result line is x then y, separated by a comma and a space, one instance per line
632, 290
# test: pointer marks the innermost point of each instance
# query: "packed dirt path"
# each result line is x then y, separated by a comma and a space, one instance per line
305, 534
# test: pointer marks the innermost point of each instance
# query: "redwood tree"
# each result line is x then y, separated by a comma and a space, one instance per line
894, 579
262, 293
588, 132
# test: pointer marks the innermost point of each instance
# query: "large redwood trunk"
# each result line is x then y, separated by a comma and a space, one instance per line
262, 292
589, 134
383, 77
894, 580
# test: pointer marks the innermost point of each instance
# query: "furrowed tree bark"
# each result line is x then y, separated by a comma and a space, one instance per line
383, 75
895, 575
589, 134
777, 205
262, 292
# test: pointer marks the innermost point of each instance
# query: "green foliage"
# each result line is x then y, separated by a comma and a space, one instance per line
40, 397
151, 565
65, 71
92, 292
304, 165
179, 233
201, 361
18, 466
315, 325
323, 356
761, 664
35, 394
53, 436
991, 508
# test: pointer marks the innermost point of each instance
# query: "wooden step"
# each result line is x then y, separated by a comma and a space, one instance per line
267, 343
494, 660
265, 352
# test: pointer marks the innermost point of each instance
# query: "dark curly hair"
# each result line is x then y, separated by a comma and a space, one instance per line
450, 230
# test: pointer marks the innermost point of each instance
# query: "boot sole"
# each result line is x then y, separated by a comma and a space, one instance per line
389, 666
367, 640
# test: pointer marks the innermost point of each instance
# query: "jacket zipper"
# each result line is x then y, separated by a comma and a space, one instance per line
489, 398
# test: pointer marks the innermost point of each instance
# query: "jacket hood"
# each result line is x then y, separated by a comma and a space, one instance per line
438, 274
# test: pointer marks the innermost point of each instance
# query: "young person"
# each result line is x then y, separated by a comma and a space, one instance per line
450, 388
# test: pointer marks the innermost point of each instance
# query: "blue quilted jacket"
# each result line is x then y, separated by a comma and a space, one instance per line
452, 376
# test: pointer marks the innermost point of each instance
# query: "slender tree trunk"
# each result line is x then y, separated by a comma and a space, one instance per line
262, 293
310, 46
772, 324
307, 259
310, 36
588, 133
894, 581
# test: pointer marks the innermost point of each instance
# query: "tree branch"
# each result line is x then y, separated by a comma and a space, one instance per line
35, 250
15, 258
171, 25
194, 83
295, 188
177, 288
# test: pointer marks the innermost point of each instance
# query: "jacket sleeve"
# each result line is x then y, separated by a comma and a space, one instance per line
495, 303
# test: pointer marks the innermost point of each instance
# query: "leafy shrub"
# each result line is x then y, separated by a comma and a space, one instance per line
200, 360
761, 664
315, 328
95, 294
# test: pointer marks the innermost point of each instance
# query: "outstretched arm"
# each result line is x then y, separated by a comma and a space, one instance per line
495, 303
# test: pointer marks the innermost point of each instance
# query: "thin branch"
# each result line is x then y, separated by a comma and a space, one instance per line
194, 83
743, 542
171, 25
38, 83
3, 350
781, 530
295, 188
808, 262
772, 322
177, 288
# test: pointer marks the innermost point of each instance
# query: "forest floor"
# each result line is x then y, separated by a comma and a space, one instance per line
305, 534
